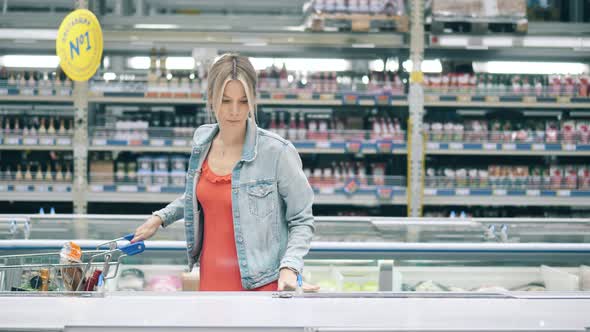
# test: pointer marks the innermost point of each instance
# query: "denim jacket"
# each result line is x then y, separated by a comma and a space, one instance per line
271, 205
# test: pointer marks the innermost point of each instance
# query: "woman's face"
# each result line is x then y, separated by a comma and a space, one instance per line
234, 108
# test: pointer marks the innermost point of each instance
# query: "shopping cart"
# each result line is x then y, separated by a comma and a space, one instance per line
48, 272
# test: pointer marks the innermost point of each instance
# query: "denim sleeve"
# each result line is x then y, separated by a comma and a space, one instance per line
298, 198
172, 212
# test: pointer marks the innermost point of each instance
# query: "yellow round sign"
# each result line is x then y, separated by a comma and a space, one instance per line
79, 45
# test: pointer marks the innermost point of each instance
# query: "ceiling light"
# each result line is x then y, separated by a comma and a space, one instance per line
29, 61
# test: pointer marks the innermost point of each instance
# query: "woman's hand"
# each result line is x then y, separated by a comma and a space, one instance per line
288, 282
147, 229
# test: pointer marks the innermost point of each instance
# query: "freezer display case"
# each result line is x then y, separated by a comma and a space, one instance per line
376, 274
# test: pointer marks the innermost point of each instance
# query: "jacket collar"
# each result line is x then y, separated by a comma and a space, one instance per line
250, 148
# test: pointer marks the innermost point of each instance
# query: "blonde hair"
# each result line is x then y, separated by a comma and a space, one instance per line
231, 66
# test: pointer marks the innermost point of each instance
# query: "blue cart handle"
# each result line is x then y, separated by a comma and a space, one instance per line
132, 248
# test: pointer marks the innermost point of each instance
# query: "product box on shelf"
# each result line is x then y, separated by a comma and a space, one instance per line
479, 8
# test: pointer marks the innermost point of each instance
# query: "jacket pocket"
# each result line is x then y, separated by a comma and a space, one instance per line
260, 199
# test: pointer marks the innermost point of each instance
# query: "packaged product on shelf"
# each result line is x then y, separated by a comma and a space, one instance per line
539, 132
583, 86
568, 131
458, 130
496, 131
536, 176
379, 173
584, 179
494, 175
583, 132
472, 177
483, 176
520, 175
121, 171
429, 179
555, 85
556, 177
571, 177
461, 177
507, 132
144, 171
449, 178
448, 131
437, 131
551, 132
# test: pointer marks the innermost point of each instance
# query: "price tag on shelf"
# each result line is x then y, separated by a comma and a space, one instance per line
42, 188
533, 192
564, 193
538, 147
384, 146
97, 188
569, 147
61, 188
305, 95
327, 96
499, 192
464, 99
278, 96
353, 147
322, 144
433, 146
327, 190
383, 100
135, 142
431, 98
384, 193
564, 100
456, 146
127, 188
180, 142
529, 99
154, 189
462, 192
350, 100
99, 141
509, 146
11, 140
46, 141
30, 141
429, 192
157, 142
64, 141
492, 99
490, 146
21, 188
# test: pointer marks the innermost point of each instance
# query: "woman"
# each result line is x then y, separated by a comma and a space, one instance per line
247, 204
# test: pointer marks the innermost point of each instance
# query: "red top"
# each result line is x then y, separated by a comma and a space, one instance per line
219, 259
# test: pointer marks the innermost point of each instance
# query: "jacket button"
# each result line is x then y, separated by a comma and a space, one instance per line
240, 239
235, 191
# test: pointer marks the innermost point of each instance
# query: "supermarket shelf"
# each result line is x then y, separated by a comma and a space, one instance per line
507, 149
44, 99
36, 147
503, 197
36, 192
431, 100
160, 194
303, 147
265, 99
562, 102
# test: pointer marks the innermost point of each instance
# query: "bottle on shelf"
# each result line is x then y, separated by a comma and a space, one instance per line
28, 175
